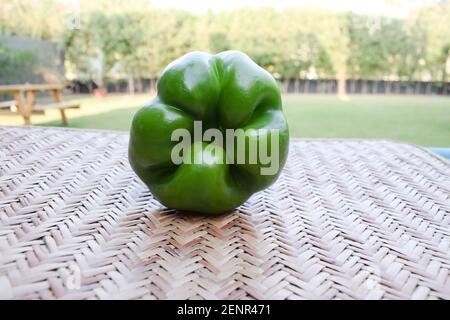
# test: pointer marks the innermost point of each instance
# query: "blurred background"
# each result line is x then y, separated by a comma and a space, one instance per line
347, 69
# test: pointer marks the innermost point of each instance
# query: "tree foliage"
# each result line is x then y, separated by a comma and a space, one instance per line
15, 64
118, 39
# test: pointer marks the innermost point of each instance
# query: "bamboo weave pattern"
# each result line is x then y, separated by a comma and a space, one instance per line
346, 220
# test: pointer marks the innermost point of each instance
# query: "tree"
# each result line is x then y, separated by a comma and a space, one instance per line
37, 19
132, 40
435, 19
335, 39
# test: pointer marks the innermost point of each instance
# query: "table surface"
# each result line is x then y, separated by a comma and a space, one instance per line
30, 87
346, 219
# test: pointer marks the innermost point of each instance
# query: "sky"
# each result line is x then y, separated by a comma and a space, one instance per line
397, 8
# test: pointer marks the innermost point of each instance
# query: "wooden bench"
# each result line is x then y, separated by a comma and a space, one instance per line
10, 108
61, 106
7, 105
25, 100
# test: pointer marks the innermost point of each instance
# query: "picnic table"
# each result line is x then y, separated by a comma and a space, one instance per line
366, 219
25, 99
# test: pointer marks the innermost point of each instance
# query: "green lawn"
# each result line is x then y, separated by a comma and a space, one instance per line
417, 119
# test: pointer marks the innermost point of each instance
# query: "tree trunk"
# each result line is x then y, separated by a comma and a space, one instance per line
131, 88
342, 92
428, 89
444, 78
363, 86
153, 86
352, 86
408, 87
285, 85
297, 86
416, 86
139, 85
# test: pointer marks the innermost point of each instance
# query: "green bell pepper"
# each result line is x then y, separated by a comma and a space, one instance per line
224, 91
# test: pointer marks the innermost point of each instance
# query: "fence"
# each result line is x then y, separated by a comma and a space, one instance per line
329, 86
29, 60
299, 86
35, 61
120, 86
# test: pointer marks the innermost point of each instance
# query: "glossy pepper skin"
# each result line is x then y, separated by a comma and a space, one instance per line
224, 91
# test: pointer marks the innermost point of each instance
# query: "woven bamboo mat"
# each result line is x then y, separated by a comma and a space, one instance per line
347, 219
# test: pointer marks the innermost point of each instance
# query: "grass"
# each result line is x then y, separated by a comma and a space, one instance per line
417, 119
